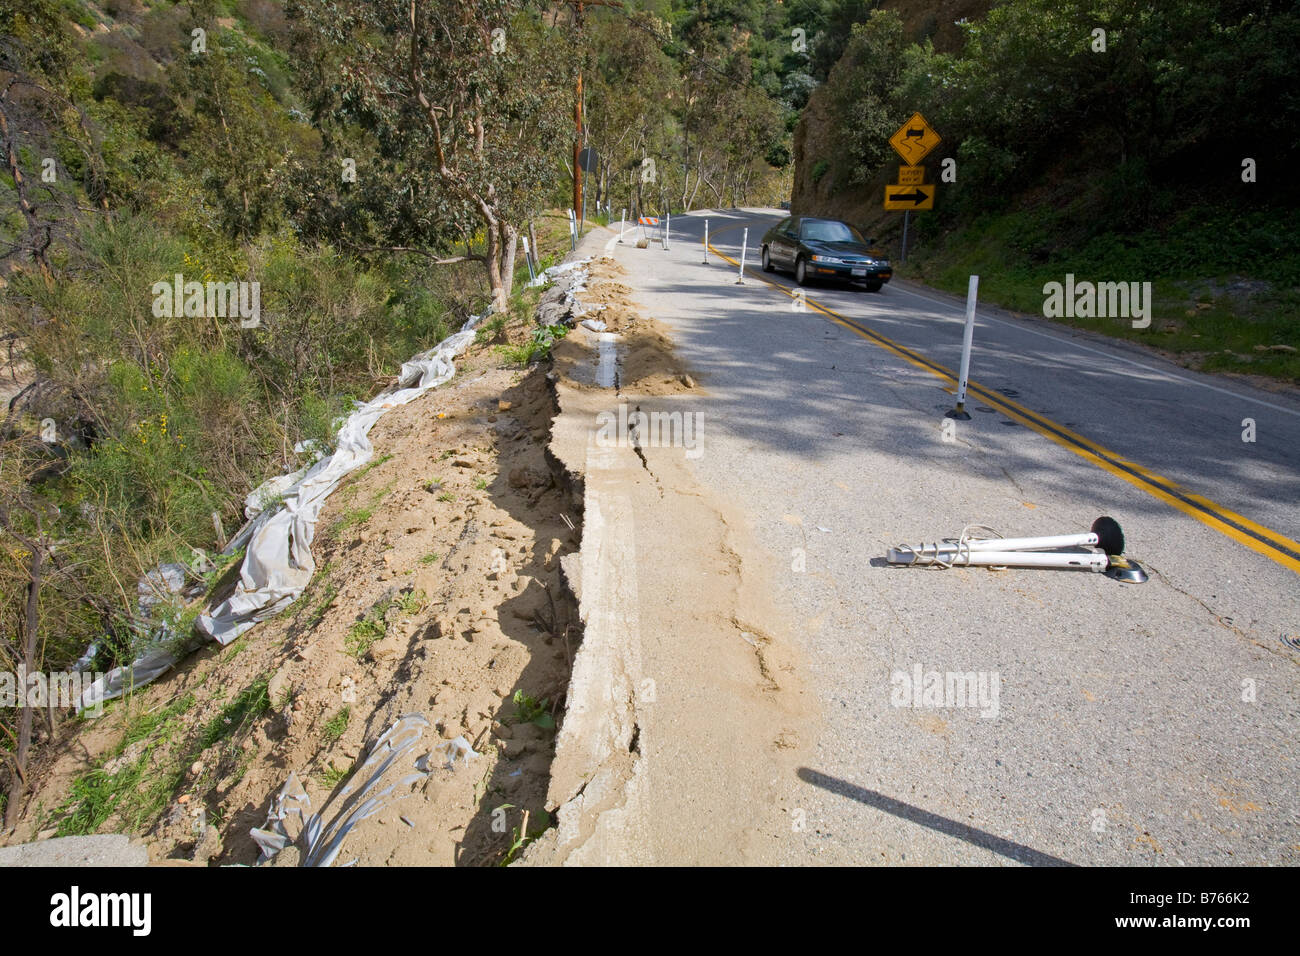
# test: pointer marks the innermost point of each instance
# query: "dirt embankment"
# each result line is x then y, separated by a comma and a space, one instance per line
646, 361
438, 592
564, 596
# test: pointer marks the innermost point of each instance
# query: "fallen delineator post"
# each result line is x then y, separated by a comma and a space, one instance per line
1104, 544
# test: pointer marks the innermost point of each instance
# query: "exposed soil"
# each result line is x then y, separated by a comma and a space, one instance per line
647, 361
449, 544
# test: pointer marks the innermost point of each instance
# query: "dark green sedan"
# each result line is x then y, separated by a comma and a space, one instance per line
824, 249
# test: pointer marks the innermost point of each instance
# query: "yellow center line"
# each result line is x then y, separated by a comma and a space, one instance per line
1276, 547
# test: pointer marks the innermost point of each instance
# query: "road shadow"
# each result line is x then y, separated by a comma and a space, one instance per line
949, 827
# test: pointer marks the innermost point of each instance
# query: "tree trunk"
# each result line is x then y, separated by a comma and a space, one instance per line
18, 788
37, 244
502, 238
496, 282
509, 246
699, 175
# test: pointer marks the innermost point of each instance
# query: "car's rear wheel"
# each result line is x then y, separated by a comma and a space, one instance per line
801, 271
874, 286
767, 260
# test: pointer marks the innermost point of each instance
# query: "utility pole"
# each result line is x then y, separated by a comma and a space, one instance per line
577, 118
579, 130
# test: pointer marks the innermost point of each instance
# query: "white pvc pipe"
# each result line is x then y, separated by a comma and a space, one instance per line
1092, 561
622, 221
668, 225
706, 242
967, 338
607, 365
744, 242
1034, 544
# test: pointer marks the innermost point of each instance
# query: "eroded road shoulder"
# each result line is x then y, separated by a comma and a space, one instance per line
686, 712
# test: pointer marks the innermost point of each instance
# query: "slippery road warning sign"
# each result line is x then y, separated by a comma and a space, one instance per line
914, 139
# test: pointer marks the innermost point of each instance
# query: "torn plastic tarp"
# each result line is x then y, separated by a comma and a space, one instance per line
579, 284
162, 648
290, 820
278, 564
449, 751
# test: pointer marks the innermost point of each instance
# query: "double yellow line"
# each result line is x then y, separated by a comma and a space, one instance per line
1274, 546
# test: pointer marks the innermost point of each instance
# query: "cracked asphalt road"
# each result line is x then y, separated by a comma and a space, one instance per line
1148, 724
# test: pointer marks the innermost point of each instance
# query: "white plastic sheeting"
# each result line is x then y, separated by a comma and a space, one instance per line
386, 776
278, 564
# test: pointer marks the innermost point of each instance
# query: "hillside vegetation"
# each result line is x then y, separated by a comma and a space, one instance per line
1109, 140
344, 185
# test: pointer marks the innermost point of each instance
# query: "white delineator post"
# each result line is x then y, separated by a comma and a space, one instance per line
744, 243
967, 338
622, 221
573, 230
528, 258
706, 242
668, 224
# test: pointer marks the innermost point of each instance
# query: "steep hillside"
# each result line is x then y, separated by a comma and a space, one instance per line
1117, 143
816, 189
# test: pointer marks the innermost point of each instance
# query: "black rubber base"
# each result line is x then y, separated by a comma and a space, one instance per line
960, 414
1110, 538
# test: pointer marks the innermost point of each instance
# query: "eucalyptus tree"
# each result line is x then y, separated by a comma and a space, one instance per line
443, 121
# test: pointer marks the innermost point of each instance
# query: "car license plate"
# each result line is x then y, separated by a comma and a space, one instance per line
860, 272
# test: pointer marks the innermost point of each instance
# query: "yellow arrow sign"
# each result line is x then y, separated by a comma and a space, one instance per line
911, 175
909, 197
914, 139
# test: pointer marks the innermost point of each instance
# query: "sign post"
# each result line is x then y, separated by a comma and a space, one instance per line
589, 162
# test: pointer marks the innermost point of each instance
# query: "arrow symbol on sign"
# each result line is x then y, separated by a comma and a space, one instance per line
916, 197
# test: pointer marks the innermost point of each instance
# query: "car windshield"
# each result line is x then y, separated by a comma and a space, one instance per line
828, 230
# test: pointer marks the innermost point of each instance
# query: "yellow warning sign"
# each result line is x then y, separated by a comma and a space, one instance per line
914, 139
909, 197
911, 175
